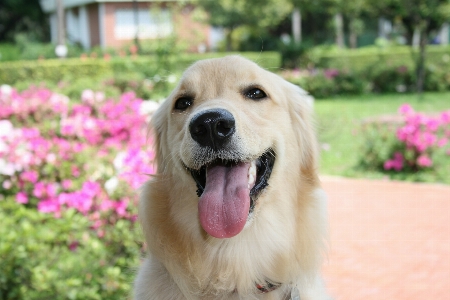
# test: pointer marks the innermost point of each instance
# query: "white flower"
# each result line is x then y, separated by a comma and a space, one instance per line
172, 78
87, 96
118, 161
99, 96
7, 168
111, 185
50, 158
6, 90
7, 184
6, 128
148, 107
3, 147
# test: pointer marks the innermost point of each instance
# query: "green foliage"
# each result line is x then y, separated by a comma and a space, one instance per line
233, 14
22, 16
328, 83
363, 70
9, 52
379, 142
148, 66
340, 122
361, 58
52, 70
292, 53
391, 78
43, 257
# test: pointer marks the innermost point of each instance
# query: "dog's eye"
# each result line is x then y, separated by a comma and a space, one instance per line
183, 103
255, 93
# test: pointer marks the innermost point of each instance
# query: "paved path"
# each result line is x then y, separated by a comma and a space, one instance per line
389, 240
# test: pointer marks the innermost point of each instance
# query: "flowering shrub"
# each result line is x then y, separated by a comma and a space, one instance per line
62, 162
406, 143
55, 155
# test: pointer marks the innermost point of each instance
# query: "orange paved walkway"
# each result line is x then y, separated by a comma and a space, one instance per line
389, 240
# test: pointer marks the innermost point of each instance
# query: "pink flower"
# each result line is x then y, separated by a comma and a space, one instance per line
405, 109
424, 161
75, 171
432, 124
121, 207
396, 163
106, 205
442, 142
73, 246
49, 206
91, 189
66, 184
29, 176
22, 198
445, 117
39, 190
331, 73
52, 189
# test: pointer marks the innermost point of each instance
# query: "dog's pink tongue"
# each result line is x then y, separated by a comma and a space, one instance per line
225, 202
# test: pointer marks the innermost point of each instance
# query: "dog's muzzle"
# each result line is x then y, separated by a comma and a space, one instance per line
212, 128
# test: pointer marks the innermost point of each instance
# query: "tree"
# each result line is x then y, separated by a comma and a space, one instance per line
257, 14
421, 16
301, 7
22, 16
351, 10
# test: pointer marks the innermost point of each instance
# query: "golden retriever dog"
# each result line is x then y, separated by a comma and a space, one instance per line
235, 210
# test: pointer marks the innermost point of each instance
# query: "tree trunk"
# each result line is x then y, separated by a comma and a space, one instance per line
339, 25
353, 39
228, 40
420, 70
297, 25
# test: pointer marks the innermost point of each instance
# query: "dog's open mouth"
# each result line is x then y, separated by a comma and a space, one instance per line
228, 191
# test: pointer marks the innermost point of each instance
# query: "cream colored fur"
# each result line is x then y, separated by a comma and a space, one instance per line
284, 238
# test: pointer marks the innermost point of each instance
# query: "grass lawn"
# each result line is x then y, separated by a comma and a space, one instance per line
339, 123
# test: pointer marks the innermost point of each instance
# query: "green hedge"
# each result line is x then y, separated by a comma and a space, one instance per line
361, 58
53, 70
42, 257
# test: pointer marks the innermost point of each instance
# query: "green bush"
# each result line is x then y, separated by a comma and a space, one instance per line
9, 52
409, 145
331, 82
43, 257
380, 77
361, 58
54, 70
391, 78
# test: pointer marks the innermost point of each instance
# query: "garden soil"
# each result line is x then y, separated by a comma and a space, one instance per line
388, 240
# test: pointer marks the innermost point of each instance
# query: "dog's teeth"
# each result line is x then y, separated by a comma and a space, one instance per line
251, 180
252, 169
251, 174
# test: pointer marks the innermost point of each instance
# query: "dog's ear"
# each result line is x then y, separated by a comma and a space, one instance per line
301, 106
159, 128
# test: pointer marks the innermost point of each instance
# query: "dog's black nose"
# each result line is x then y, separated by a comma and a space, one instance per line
212, 128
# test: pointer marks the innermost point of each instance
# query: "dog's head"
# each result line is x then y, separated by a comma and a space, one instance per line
229, 130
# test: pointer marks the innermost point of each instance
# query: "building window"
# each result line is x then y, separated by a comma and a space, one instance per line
151, 24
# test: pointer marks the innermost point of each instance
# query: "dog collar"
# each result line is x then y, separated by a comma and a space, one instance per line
269, 287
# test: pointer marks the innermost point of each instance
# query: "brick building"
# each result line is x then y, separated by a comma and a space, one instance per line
113, 23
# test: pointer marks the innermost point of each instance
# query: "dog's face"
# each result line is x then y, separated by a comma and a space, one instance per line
231, 130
